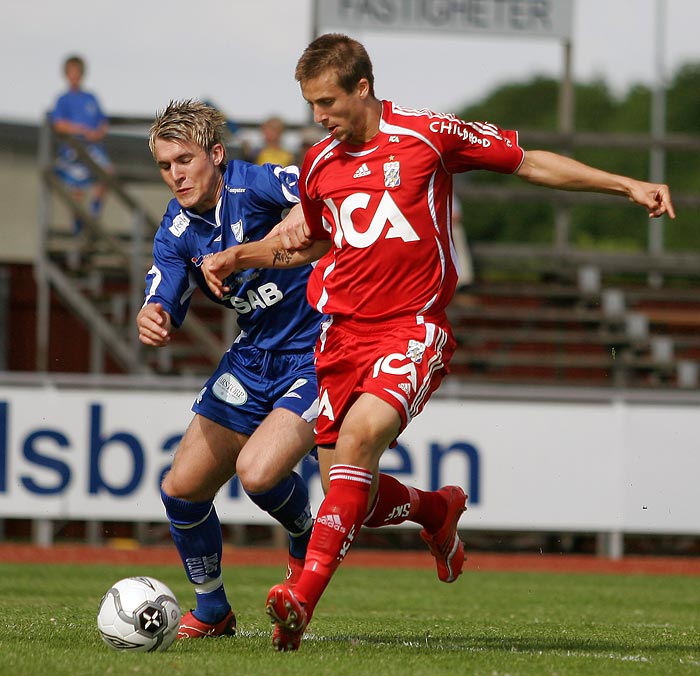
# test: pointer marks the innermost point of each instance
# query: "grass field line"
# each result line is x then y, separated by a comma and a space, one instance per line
450, 646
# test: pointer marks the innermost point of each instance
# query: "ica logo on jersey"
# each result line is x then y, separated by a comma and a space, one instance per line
387, 221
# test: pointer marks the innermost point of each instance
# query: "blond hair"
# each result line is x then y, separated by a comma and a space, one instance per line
189, 120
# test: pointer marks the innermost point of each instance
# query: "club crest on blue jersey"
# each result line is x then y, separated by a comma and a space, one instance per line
237, 230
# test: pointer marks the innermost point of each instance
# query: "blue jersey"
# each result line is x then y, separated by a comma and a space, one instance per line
273, 313
82, 108
79, 107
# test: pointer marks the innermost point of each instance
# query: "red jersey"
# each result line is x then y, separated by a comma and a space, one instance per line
386, 207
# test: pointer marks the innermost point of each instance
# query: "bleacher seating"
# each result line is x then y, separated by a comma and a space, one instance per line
577, 331
536, 314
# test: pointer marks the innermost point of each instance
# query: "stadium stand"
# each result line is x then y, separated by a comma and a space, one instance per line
598, 324
534, 315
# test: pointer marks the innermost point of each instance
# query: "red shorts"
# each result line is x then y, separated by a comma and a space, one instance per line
401, 363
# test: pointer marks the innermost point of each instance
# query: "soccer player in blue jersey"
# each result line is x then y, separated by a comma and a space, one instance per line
78, 113
255, 415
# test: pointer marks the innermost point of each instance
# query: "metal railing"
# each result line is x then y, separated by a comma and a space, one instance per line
103, 251
75, 266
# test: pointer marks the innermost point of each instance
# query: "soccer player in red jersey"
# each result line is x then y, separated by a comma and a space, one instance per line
378, 190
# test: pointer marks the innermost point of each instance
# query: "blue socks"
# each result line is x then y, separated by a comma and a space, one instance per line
288, 503
196, 532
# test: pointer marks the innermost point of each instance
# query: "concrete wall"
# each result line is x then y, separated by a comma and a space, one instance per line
19, 196
20, 200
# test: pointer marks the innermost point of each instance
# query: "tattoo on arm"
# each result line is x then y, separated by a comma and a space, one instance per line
281, 257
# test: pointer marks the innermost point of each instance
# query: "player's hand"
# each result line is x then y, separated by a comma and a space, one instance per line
216, 268
292, 230
154, 325
655, 198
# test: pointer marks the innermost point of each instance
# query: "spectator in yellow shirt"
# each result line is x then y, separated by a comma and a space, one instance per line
272, 151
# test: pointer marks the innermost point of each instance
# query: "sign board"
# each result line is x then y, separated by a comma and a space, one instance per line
514, 18
539, 466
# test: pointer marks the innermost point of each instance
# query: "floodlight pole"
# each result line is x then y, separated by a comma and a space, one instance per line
562, 217
315, 28
315, 32
657, 153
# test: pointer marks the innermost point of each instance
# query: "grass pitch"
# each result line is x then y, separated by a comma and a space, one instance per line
371, 621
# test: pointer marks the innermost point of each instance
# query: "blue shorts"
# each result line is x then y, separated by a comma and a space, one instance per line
249, 383
76, 174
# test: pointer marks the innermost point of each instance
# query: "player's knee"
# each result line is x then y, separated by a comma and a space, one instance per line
256, 477
169, 486
177, 486
357, 450
257, 482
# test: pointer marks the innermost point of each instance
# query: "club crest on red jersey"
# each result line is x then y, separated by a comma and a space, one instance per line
415, 351
392, 175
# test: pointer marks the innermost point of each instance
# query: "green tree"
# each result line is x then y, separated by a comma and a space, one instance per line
533, 106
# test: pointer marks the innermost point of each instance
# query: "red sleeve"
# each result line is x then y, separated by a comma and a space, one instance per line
313, 208
463, 146
480, 145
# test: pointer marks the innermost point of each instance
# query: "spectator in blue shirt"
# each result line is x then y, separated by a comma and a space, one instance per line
78, 113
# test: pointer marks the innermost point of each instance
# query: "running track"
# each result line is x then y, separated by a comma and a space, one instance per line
260, 556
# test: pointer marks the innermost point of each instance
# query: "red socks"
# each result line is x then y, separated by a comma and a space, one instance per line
342, 514
396, 503
338, 522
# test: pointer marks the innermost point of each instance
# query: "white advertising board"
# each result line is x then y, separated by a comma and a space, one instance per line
514, 18
540, 466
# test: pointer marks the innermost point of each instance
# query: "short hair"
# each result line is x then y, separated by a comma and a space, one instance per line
347, 57
74, 60
189, 120
274, 121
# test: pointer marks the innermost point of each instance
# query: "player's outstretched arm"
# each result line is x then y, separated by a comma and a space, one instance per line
558, 171
154, 325
266, 253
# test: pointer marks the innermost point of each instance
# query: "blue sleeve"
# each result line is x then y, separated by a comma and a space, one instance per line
273, 185
59, 111
169, 282
101, 117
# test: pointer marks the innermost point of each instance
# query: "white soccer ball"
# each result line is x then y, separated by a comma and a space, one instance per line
139, 614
